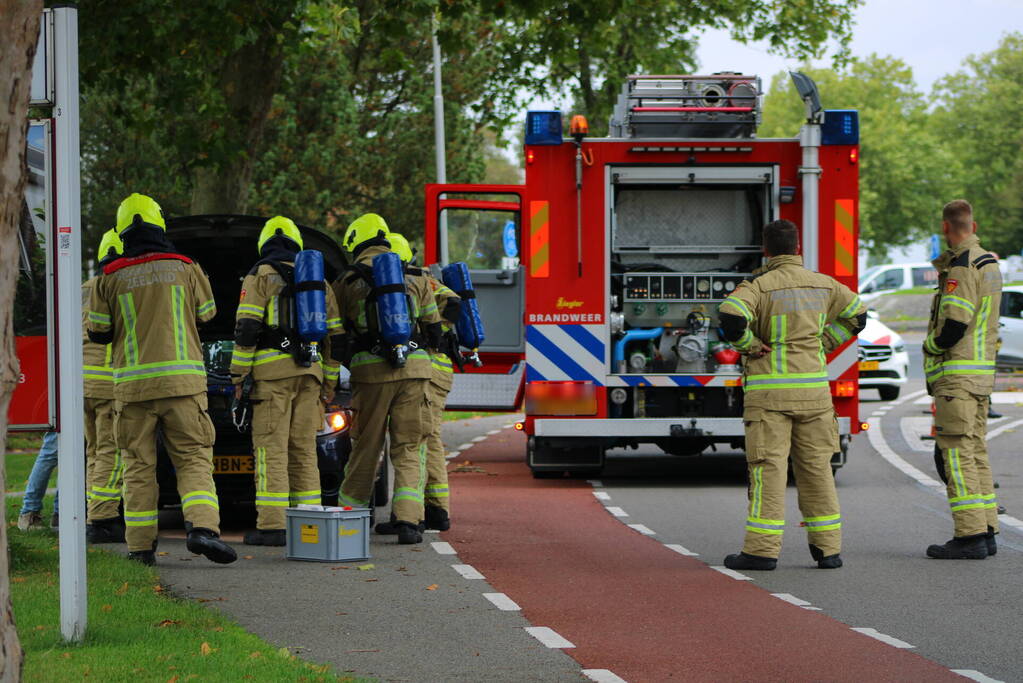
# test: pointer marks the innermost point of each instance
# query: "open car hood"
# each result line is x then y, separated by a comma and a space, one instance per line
225, 247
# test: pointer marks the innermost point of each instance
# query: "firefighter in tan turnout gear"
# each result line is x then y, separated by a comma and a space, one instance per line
437, 494
146, 305
959, 363
288, 388
386, 399
784, 321
103, 466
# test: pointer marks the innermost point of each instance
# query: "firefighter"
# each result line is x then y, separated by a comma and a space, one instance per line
784, 321
103, 466
146, 304
959, 363
386, 398
288, 388
437, 494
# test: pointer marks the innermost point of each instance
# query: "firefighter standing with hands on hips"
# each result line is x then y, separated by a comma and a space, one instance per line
387, 396
437, 494
103, 466
146, 305
288, 387
784, 321
959, 363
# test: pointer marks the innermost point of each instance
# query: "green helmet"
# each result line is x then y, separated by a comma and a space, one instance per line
110, 242
279, 225
364, 228
139, 209
400, 246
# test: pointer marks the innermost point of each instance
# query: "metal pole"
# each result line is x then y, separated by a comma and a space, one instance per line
71, 477
810, 171
438, 138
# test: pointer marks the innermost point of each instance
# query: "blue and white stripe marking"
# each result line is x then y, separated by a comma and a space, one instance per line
565, 352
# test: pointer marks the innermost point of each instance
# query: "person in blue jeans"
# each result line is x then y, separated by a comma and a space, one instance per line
32, 504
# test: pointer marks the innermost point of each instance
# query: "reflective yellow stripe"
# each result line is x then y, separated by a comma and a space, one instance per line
131, 346
980, 330
739, 305
245, 310
199, 498
178, 313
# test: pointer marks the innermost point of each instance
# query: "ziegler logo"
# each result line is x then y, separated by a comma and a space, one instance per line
567, 304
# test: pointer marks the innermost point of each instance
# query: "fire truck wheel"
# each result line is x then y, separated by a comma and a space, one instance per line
682, 447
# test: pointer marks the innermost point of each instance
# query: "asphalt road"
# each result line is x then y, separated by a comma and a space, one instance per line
643, 603
963, 615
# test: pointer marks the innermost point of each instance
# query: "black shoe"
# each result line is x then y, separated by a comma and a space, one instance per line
275, 537
205, 542
825, 561
992, 544
146, 557
408, 533
751, 562
963, 548
389, 528
992, 414
436, 518
105, 531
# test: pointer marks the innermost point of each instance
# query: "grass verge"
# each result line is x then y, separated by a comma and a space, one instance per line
914, 290
451, 415
136, 630
18, 465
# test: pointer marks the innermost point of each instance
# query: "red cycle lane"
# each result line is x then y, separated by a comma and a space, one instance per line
631, 605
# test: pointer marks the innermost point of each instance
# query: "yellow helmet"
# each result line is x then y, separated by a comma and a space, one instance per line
110, 241
138, 208
364, 228
400, 246
279, 225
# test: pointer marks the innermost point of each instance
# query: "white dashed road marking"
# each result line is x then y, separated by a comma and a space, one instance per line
603, 676
502, 602
879, 444
646, 531
618, 512
793, 600
477, 439
680, 550
972, 675
894, 642
442, 548
467, 571
548, 637
595, 483
465, 446
1011, 426
602, 495
732, 573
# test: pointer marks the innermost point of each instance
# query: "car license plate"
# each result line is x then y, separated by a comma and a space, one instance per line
233, 464
869, 364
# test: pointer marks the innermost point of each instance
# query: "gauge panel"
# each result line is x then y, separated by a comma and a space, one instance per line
680, 286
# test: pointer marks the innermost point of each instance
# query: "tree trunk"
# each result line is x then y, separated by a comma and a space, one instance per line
19, 31
249, 80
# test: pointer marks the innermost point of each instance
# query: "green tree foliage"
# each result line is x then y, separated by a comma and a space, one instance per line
980, 120
590, 47
906, 171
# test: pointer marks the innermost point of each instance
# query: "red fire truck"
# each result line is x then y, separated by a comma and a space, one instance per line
599, 278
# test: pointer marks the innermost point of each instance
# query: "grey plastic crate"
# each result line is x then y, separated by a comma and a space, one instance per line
328, 535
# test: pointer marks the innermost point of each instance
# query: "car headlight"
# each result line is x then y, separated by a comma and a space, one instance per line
900, 347
334, 422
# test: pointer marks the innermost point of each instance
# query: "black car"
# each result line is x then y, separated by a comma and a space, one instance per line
225, 247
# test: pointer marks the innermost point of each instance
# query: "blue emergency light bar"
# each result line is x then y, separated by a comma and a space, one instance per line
543, 128
840, 127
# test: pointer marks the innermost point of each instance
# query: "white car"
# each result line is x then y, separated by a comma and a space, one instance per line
1010, 353
884, 362
891, 277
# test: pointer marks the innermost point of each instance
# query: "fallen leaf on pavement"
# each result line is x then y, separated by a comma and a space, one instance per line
334, 569
362, 650
162, 554
122, 590
432, 587
212, 599
371, 580
157, 588
366, 567
246, 557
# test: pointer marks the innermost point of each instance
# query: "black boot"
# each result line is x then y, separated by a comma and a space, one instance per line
437, 518
146, 557
275, 537
992, 544
825, 561
205, 542
105, 531
962, 548
388, 528
751, 562
992, 414
408, 533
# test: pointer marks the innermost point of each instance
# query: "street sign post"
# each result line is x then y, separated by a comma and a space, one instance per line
68, 255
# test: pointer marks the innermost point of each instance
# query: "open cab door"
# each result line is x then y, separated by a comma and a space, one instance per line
481, 225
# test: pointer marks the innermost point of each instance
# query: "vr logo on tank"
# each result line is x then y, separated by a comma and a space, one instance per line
396, 319
565, 318
314, 317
